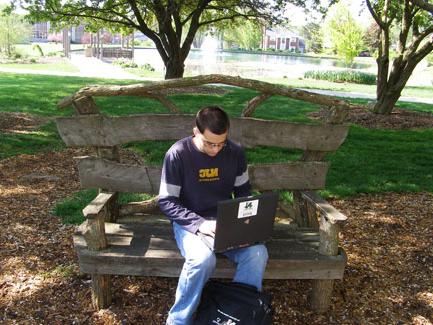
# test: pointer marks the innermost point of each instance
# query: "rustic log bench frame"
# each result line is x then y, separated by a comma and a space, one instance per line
311, 213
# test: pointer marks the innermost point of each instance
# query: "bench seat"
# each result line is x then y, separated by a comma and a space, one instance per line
149, 249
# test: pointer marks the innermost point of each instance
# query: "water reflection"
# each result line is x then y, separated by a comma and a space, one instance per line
244, 64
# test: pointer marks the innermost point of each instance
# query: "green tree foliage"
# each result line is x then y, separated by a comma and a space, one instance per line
423, 4
312, 33
247, 35
13, 29
343, 32
413, 21
170, 24
371, 39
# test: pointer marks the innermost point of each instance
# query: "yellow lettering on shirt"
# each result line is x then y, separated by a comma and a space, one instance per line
208, 174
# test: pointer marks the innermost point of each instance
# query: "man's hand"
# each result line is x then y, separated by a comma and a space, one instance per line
208, 227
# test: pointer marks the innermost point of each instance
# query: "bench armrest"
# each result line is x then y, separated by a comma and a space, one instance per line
93, 228
330, 213
98, 205
330, 223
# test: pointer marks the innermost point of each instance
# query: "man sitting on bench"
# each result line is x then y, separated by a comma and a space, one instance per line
199, 171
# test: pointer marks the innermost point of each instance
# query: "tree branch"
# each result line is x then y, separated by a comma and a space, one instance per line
131, 24
175, 10
146, 89
144, 28
166, 32
405, 26
421, 36
82, 12
193, 27
424, 51
375, 16
423, 4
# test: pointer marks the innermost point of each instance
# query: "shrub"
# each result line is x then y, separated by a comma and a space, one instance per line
147, 67
38, 48
52, 53
144, 43
125, 63
343, 76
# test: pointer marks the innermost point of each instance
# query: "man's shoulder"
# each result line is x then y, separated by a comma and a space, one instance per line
179, 147
234, 146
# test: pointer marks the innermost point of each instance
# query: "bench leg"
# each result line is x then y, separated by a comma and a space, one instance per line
101, 291
321, 293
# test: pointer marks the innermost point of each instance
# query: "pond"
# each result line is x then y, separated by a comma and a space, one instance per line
246, 64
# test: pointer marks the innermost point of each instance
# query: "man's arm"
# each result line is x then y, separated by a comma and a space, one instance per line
242, 186
176, 212
169, 193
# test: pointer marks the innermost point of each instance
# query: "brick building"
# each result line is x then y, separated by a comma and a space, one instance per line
282, 39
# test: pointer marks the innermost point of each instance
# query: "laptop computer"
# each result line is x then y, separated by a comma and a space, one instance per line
243, 222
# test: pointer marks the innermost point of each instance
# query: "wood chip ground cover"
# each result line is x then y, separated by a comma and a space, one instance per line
388, 279
399, 119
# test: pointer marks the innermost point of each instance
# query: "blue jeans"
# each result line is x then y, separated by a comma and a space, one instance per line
199, 266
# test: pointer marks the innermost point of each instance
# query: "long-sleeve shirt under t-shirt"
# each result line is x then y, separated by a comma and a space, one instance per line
193, 182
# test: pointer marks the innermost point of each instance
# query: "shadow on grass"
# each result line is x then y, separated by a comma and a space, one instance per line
45, 138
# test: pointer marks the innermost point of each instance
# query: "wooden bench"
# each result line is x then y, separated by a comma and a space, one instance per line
135, 239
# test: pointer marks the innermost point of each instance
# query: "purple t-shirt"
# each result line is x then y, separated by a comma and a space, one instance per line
193, 182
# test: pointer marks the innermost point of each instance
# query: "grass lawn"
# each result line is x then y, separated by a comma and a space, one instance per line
59, 64
409, 91
30, 50
145, 73
369, 161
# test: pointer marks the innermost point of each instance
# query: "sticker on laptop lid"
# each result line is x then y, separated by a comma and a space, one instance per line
248, 209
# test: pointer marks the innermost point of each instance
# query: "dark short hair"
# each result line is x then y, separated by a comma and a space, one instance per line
212, 118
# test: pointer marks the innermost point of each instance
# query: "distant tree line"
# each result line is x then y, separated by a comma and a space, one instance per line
13, 30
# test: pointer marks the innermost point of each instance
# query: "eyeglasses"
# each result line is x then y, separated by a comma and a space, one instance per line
213, 145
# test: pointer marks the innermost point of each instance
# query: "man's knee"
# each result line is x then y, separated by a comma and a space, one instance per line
205, 260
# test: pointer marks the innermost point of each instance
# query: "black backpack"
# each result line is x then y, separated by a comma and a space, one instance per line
233, 304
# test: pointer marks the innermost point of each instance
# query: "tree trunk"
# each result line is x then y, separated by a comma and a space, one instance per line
174, 68
389, 87
393, 85
385, 104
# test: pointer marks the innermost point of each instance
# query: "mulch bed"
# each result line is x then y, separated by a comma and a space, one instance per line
399, 119
388, 239
20, 122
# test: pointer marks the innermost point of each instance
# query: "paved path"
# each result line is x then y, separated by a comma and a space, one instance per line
92, 67
88, 67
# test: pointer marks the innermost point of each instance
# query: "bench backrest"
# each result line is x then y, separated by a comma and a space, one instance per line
102, 131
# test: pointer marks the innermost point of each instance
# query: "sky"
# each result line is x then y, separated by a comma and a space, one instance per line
6, 2
297, 16
357, 8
